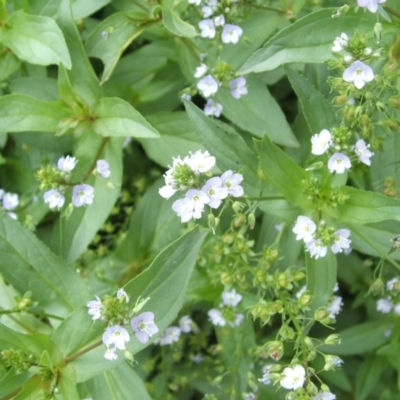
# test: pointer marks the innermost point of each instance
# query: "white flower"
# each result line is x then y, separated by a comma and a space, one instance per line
66, 164
103, 168
301, 291
215, 191
390, 284
196, 2
231, 33
171, 185
144, 326
231, 181
338, 163
321, 142
170, 336
396, 309
340, 42
341, 241
216, 317
54, 198
116, 336
219, 20
238, 320
371, 5
362, 152
186, 96
384, 305
95, 307
368, 51
10, 201
207, 28
316, 248
111, 354
335, 306
207, 11
348, 59
121, 293
266, 379
293, 377
185, 324
207, 86
231, 298
238, 87
212, 108
200, 70
325, 396
359, 73
12, 215
191, 206
197, 358
200, 162
82, 194
304, 228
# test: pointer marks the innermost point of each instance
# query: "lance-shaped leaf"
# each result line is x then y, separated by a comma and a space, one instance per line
165, 281
308, 40
28, 265
176, 25
317, 111
20, 113
116, 117
111, 37
35, 39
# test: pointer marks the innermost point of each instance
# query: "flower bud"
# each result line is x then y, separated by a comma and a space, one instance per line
378, 32
333, 339
321, 314
237, 206
377, 286
260, 173
364, 120
332, 362
252, 220
299, 276
239, 220
342, 99
380, 106
274, 349
305, 299
226, 279
394, 101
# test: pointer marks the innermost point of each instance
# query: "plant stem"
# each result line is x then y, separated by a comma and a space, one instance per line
278, 10
84, 351
33, 312
391, 11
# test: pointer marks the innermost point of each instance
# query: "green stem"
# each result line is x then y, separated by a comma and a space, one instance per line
33, 312
266, 198
82, 352
391, 11
277, 10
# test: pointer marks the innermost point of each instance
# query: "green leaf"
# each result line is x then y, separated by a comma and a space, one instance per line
35, 39
111, 37
296, 44
44, 89
87, 88
12, 381
116, 117
47, 8
229, 148
258, 113
282, 172
176, 25
56, 287
9, 64
368, 376
83, 8
67, 383
317, 111
19, 113
321, 279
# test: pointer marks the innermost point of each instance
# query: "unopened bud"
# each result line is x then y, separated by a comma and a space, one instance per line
378, 32
315, 166
332, 362
252, 220
394, 101
380, 106
239, 220
342, 99
299, 276
364, 120
321, 314
333, 339
377, 286
305, 299
226, 279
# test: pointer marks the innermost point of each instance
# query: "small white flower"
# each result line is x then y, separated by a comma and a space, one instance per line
293, 377
325, 396
66, 164
54, 198
121, 293
215, 191
196, 2
359, 73
216, 317
238, 87
192, 206
301, 291
200, 162
316, 248
144, 327
304, 228
10, 201
197, 358
103, 168
368, 51
341, 241
200, 70
185, 324
207, 11
207, 86
166, 191
371, 5
335, 306
362, 152
231, 33
116, 336
266, 379
170, 336
390, 284
321, 142
232, 181
207, 28
396, 309
111, 354
238, 320
219, 20
384, 305
338, 163
231, 298
213, 109
171, 185
186, 96
95, 307
340, 42
82, 194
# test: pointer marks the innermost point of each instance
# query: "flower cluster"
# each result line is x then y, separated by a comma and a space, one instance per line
9, 202
227, 314
371, 5
318, 240
392, 301
190, 176
339, 162
58, 178
173, 333
115, 310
